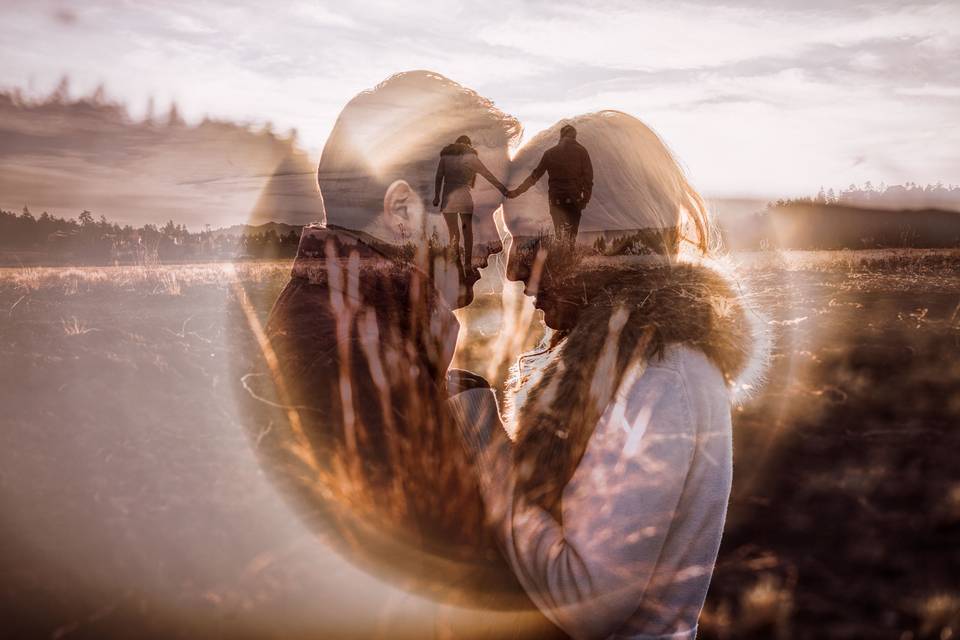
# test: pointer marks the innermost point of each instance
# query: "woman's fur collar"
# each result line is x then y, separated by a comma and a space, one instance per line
558, 393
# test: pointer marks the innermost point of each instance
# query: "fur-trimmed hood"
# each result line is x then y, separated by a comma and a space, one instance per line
630, 316
691, 303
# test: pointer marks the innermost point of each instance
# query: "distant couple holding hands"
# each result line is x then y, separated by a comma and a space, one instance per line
570, 185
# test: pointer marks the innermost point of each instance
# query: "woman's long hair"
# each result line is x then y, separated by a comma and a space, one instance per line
626, 312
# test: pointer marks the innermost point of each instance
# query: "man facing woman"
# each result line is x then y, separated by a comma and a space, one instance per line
348, 406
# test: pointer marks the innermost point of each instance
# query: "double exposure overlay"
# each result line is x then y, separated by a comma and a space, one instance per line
520, 321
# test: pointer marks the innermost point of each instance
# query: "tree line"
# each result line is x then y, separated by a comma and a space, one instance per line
86, 239
899, 196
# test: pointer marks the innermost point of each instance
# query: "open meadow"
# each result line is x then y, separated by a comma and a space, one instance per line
131, 495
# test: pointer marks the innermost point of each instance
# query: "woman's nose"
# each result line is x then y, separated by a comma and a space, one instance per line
489, 250
495, 247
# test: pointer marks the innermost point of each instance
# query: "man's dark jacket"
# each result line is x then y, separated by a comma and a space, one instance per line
570, 172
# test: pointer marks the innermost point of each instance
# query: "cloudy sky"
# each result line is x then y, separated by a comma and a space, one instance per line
758, 99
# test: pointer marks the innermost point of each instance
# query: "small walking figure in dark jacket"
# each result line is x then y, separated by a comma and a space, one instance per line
456, 175
570, 182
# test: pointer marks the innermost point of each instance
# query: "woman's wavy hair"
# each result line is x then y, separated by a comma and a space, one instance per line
640, 189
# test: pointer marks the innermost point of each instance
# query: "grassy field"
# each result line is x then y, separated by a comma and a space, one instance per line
131, 495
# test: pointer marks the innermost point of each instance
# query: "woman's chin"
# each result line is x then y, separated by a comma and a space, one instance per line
550, 316
558, 317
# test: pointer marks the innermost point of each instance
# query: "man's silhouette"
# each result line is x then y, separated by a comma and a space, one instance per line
348, 405
570, 182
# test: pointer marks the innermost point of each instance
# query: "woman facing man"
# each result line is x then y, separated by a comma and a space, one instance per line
609, 499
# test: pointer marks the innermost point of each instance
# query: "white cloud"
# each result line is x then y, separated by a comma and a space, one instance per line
655, 36
931, 91
753, 99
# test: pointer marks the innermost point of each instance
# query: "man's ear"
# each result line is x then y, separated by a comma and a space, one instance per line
403, 206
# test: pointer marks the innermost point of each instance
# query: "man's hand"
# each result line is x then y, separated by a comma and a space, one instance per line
460, 380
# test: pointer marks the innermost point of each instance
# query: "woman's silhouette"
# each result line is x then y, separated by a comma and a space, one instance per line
456, 174
610, 500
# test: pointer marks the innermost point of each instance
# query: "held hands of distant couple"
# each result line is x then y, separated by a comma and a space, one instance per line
507, 193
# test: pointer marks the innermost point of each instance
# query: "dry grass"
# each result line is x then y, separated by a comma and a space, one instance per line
949, 511
850, 260
838, 457
175, 278
74, 327
161, 280
939, 615
767, 605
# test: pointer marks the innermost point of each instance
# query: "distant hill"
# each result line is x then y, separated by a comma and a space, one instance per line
836, 226
291, 194
62, 155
